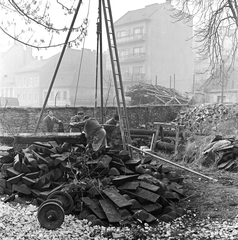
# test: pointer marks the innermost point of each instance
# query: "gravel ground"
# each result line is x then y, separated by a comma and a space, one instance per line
20, 222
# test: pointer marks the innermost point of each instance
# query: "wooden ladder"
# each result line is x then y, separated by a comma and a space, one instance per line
116, 71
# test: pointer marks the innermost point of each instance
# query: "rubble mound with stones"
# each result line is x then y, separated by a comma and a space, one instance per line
108, 187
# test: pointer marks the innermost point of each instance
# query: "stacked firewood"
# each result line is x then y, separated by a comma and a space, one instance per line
155, 94
201, 119
106, 186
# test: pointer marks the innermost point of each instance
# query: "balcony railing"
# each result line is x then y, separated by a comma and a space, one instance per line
130, 38
132, 57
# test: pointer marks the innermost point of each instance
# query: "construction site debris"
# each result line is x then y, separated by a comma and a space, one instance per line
154, 94
223, 153
105, 184
205, 118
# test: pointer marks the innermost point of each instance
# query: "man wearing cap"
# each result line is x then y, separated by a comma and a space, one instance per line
77, 118
49, 121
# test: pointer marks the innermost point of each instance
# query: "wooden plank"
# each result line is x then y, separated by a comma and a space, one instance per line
148, 186
146, 195
152, 207
39, 158
29, 138
125, 170
116, 197
122, 179
133, 162
94, 207
129, 185
110, 210
150, 217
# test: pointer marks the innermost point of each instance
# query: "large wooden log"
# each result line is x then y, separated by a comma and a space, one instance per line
29, 138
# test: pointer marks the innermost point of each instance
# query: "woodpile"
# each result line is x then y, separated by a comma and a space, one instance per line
106, 187
155, 94
203, 118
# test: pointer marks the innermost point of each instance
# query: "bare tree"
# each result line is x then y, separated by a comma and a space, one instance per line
40, 23
215, 30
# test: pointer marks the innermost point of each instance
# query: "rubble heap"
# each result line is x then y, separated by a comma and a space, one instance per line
106, 187
223, 152
202, 119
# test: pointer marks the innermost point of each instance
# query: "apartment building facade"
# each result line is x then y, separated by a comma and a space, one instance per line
155, 49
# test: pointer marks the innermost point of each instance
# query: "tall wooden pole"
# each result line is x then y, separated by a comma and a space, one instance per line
101, 61
58, 65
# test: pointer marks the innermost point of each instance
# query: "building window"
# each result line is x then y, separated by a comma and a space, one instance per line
45, 93
58, 95
36, 81
137, 50
23, 97
31, 81
29, 97
121, 34
64, 95
35, 96
52, 96
138, 30
137, 69
219, 99
18, 96
124, 52
125, 71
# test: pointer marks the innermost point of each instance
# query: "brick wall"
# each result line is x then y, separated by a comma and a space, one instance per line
24, 120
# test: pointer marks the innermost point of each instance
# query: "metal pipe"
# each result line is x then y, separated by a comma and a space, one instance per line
58, 65
172, 163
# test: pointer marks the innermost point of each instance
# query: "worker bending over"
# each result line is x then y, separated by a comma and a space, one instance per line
77, 118
95, 133
110, 126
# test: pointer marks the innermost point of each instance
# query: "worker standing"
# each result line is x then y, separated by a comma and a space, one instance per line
49, 121
95, 133
76, 118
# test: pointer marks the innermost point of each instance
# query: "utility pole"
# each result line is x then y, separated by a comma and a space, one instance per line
101, 60
222, 81
58, 65
174, 84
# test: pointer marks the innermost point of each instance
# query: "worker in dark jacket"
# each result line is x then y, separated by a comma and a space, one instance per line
95, 133
77, 118
49, 121
110, 126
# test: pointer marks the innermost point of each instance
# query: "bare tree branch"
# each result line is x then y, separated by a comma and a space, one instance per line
215, 30
31, 22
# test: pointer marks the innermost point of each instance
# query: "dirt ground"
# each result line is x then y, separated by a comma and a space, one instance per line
208, 198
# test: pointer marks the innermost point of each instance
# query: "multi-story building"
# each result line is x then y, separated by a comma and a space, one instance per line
74, 83
28, 79
12, 57
154, 48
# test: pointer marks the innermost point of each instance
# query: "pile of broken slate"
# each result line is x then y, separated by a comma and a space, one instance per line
109, 188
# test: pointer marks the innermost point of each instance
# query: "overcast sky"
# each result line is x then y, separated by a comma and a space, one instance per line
118, 7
